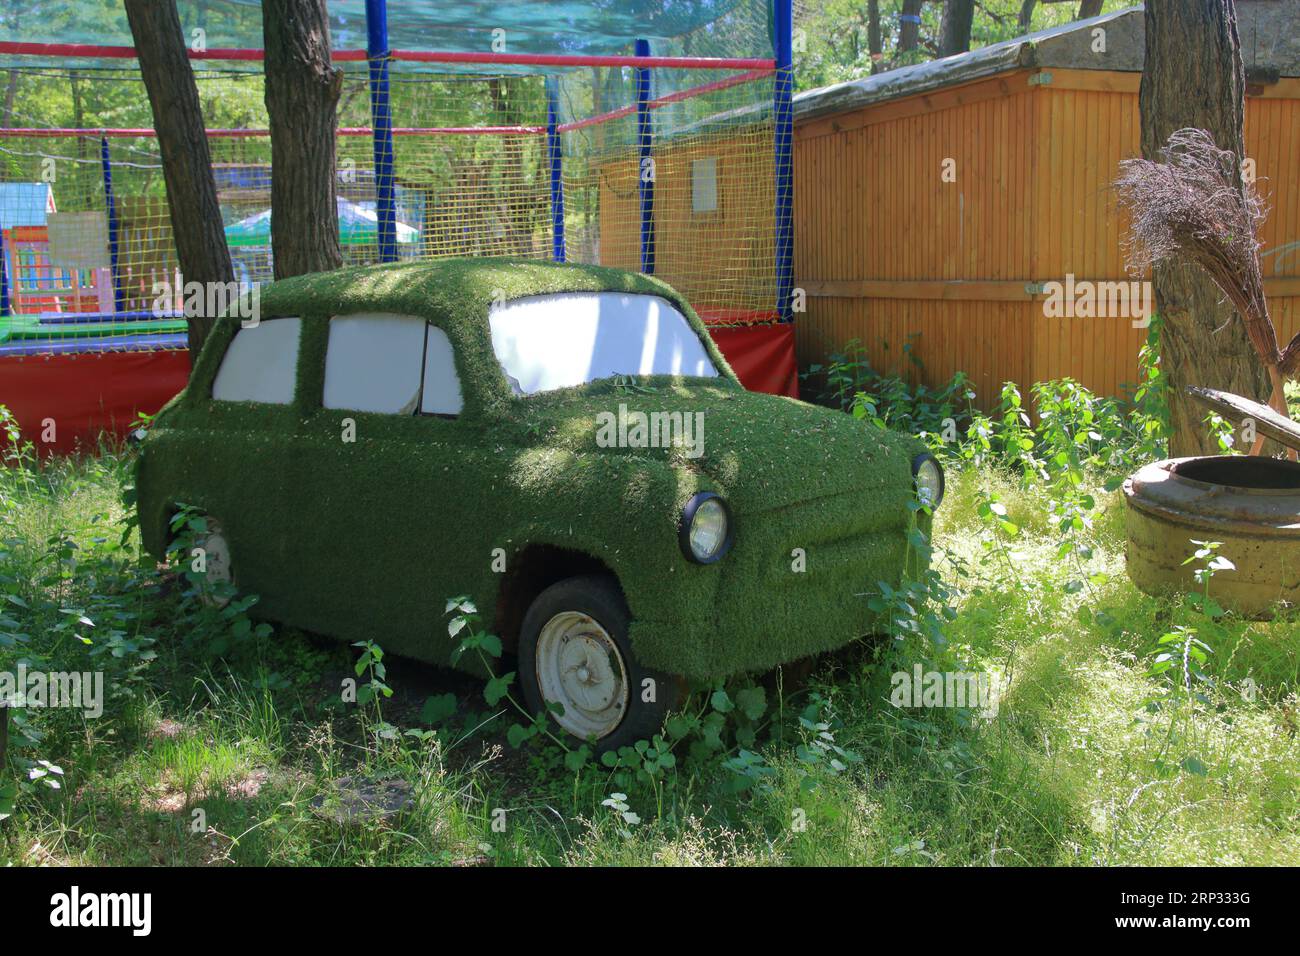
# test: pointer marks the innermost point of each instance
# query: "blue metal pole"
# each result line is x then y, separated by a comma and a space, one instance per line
381, 121
645, 172
4, 277
555, 157
119, 294
783, 118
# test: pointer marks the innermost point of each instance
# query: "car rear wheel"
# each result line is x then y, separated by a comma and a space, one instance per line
217, 583
574, 652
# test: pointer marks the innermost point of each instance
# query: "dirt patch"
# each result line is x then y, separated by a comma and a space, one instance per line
166, 729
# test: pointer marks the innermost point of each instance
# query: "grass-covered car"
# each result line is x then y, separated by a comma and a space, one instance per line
388, 437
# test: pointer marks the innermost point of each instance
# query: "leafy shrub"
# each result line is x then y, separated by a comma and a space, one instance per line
850, 383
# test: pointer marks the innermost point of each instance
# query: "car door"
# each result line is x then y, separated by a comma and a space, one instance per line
380, 475
233, 467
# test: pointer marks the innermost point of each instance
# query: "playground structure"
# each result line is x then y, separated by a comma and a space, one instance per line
656, 140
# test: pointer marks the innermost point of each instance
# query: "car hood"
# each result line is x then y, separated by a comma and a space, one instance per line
759, 451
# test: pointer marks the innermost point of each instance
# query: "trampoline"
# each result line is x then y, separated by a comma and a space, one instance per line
652, 135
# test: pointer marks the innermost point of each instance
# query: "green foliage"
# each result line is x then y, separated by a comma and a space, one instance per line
1150, 400
836, 35
220, 614
850, 383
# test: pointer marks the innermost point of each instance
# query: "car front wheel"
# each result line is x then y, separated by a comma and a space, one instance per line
574, 653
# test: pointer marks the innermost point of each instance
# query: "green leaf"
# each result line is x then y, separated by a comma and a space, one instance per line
752, 702
497, 688
575, 760
1193, 765
438, 708
721, 702
678, 726
8, 798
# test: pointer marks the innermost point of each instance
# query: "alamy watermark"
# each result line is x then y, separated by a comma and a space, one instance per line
978, 690
63, 689
74, 909
242, 300
651, 430
1086, 299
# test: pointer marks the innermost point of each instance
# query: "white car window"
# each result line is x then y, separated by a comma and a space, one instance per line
546, 342
260, 364
441, 384
373, 363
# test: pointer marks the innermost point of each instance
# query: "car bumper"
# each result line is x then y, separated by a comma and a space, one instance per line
801, 593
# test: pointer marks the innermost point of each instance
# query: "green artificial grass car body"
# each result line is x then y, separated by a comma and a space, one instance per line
518, 503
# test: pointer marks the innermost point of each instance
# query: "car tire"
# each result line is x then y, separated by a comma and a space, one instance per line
574, 651
218, 584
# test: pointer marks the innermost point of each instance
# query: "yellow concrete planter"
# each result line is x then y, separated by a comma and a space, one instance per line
1250, 504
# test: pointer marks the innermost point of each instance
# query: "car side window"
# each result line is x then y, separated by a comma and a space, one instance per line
260, 364
393, 364
373, 363
442, 394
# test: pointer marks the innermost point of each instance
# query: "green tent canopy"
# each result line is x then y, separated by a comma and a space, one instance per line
732, 28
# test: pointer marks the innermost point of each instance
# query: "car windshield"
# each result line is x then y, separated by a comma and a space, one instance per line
547, 342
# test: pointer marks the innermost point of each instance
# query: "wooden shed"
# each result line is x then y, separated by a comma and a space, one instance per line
935, 204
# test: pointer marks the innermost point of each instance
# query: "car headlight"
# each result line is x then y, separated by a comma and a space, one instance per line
705, 532
927, 476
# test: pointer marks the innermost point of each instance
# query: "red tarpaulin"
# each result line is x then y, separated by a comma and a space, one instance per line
82, 395
761, 355
87, 393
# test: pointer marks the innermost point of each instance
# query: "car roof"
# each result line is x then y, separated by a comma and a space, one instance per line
455, 295
447, 291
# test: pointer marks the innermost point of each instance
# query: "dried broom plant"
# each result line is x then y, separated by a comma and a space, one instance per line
1190, 207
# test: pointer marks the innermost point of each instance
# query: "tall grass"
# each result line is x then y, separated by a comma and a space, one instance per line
219, 759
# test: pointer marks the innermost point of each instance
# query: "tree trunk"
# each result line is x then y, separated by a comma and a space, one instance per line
1026, 15
1089, 8
909, 31
875, 43
195, 213
302, 95
11, 88
1193, 77
514, 201
78, 117
954, 29
11, 91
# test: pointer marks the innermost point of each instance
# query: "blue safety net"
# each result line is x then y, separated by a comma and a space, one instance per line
669, 169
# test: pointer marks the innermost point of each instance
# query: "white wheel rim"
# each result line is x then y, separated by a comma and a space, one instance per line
579, 667
217, 575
